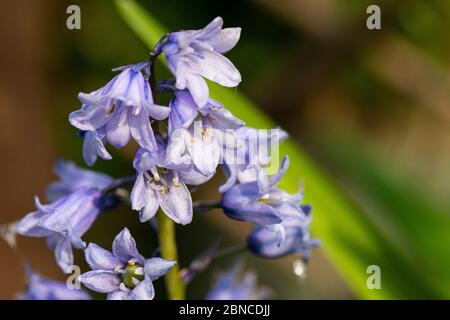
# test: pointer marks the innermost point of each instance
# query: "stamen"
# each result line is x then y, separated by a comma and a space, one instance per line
139, 271
135, 281
265, 197
110, 110
147, 176
123, 287
176, 183
155, 174
205, 132
164, 190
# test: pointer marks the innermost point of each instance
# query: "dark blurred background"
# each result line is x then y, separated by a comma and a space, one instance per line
371, 107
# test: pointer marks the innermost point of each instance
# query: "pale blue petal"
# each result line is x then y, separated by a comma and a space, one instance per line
280, 173
265, 242
29, 225
53, 240
89, 118
197, 87
141, 130
93, 147
118, 295
216, 68
75, 239
151, 205
157, 267
176, 156
103, 281
223, 119
211, 30
100, 259
69, 172
204, 149
118, 129
225, 40
289, 209
143, 291
145, 160
242, 202
128, 88
124, 246
177, 203
73, 177
157, 112
183, 110
230, 173
77, 210
253, 212
137, 196
193, 177
64, 255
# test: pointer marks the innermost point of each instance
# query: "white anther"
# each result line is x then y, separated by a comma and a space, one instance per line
135, 281
139, 271
123, 287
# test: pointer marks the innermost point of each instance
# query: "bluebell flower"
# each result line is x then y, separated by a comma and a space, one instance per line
63, 222
180, 155
194, 54
157, 186
236, 285
77, 202
184, 110
116, 112
124, 274
40, 288
261, 201
71, 177
290, 237
251, 155
199, 135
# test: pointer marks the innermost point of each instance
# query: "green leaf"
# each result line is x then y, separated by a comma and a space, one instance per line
413, 219
350, 238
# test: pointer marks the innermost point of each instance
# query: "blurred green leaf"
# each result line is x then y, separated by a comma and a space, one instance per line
411, 217
350, 238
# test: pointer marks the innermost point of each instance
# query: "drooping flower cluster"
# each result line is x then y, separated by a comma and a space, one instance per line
282, 224
196, 54
115, 113
180, 146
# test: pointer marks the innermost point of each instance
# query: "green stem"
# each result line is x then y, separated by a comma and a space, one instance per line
176, 289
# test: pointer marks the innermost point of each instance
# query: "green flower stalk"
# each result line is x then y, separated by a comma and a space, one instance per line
176, 289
